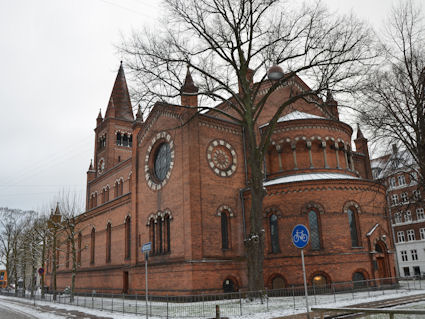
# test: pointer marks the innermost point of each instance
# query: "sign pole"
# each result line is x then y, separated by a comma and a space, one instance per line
305, 284
146, 282
300, 237
146, 248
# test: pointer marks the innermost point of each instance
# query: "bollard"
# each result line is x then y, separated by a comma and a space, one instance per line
217, 312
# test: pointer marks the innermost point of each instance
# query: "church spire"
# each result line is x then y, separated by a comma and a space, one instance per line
189, 91
120, 98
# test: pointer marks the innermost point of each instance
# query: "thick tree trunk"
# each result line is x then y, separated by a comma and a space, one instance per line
43, 256
74, 267
254, 243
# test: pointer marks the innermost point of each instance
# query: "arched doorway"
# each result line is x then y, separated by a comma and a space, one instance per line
229, 285
278, 282
382, 262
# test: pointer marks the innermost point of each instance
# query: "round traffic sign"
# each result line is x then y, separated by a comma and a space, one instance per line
41, 271
300, 236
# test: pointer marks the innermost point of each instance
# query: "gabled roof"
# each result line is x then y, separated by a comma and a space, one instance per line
120, 98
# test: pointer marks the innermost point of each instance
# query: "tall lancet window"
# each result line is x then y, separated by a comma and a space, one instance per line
274, 233
313, 222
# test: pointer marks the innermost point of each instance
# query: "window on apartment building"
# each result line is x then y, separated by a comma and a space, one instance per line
420, 215
413, 177
414, 254
394, 199
407, 216
404, 197
422, 232
401, 180
406, 271
404, 255
313, 222
417, 194
410, 235
397, 218
400, 236
392, 182
417, 270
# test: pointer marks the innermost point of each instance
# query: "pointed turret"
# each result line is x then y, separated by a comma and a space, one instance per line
359, 132
139, 115
91, 165
332, 105
99, 119
189, 91
361, 147
120, 98
91, 173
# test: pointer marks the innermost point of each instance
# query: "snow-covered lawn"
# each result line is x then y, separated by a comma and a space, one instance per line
233, 308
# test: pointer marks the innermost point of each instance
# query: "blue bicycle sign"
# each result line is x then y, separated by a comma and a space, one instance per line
300, 236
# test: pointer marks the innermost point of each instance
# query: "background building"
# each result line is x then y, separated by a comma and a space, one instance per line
398, 172
182, 185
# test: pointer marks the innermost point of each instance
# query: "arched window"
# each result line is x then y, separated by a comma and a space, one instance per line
359, 280
116, 189
167, 233
319, 280
107, 194
79, 245
121, 188
108, 242
125, 140
313, 222
128, 237
159, 233
352, 221
103, 196
224, 231
119, 139
274, 233
93, 243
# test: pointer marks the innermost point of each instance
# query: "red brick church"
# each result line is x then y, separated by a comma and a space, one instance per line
183, 188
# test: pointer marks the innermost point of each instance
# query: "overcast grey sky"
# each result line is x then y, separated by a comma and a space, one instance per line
59, 63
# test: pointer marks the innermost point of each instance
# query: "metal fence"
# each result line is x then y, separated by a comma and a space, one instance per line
231, 304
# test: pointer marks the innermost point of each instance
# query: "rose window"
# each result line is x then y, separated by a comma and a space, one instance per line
221, 158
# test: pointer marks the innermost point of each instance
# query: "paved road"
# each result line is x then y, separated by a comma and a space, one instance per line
7, 313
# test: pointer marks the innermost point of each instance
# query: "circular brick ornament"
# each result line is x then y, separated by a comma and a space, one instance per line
161, 142
221, 158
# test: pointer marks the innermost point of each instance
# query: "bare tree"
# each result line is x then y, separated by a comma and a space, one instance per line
12, 225
66, 226
393, 108
228, 42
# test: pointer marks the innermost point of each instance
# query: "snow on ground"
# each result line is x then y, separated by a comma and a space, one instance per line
271, 307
